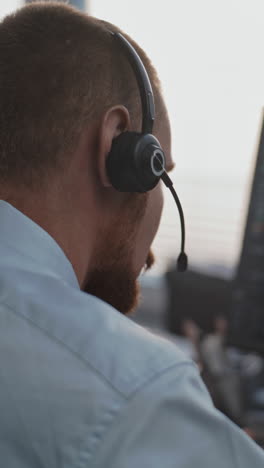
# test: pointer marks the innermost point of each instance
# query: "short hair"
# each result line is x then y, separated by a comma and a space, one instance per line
60, 69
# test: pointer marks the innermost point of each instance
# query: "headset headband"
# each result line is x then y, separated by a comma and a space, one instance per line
146, 93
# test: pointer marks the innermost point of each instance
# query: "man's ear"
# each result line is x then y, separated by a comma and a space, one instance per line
115, 121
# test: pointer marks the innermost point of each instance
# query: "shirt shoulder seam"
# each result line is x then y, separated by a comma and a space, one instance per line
133, 395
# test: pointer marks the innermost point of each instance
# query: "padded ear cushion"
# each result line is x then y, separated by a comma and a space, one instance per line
130, 165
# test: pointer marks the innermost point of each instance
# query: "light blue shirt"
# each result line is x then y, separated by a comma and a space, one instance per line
83, 386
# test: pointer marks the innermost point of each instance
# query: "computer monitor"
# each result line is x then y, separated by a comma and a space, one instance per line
247, 306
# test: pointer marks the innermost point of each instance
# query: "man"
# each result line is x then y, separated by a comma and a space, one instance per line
80, 384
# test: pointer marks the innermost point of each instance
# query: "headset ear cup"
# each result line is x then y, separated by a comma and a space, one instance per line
130, 165
120, 162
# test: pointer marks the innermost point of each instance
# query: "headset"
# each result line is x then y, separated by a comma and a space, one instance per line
136, 161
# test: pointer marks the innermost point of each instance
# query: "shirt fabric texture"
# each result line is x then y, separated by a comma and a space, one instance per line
83, 386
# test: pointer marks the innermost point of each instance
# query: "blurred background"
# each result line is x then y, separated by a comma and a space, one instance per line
208, 56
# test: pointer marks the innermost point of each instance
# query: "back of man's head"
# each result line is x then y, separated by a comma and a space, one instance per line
67, 91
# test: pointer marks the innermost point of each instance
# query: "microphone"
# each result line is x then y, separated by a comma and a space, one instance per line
182, 261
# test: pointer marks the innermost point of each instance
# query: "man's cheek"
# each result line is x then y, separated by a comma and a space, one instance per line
155, 211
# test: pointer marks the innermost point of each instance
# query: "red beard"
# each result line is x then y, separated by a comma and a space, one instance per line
117, 285
112, 277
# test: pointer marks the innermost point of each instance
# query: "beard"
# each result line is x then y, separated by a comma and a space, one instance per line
112, 278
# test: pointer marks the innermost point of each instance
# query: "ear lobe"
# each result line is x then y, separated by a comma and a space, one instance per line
115, 121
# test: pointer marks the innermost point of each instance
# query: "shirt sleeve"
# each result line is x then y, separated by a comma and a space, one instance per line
171, 423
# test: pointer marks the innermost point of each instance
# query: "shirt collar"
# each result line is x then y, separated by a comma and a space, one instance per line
30, 241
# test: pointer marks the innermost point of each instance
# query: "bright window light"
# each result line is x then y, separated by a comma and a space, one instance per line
8, 6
